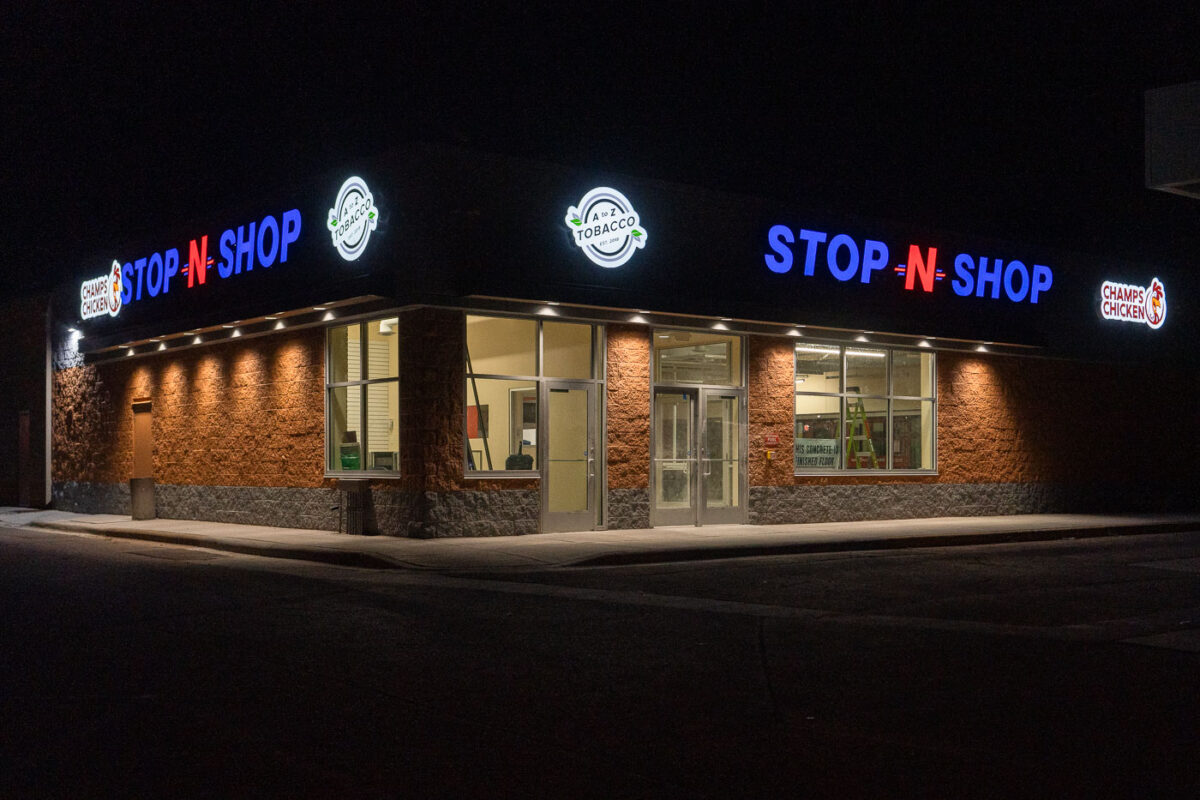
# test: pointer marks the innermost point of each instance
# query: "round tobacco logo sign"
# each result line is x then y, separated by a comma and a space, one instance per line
606, 227
352, 218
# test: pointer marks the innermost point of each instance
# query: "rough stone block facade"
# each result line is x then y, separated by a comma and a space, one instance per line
628, 401
1014, 435
239, 436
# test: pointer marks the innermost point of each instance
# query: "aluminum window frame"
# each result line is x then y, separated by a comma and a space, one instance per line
845, 397
598, 378
361, 385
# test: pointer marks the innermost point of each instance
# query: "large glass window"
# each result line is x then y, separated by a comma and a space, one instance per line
693, 357
864, 408
362, 397
506, 360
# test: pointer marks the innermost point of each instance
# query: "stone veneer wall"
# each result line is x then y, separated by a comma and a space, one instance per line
239, 436
1015, 435
628, 426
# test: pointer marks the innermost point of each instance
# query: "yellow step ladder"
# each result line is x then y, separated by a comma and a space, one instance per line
858, 438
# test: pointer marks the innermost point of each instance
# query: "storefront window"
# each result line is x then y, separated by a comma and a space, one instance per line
363, 413
507, 360
863, 408
692, 357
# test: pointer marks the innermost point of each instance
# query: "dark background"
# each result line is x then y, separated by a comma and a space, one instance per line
1019, 124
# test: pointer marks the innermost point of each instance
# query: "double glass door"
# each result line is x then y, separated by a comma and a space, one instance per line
698, 456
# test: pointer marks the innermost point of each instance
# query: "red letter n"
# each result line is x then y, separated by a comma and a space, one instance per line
918, 266
198, 261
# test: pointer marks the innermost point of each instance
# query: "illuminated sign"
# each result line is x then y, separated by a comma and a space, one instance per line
102, 295
263, 243
352, 218
606, 227
847, 259
1127, 303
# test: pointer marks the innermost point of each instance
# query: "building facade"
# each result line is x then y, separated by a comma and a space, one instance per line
443, 343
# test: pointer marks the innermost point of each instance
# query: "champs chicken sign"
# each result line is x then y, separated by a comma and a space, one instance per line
102, 295
1124, 302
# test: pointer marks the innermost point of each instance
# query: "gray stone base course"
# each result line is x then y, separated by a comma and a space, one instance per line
628, 508
283, 507
391, 512
396, 512
510, 512
838, 503
91, 498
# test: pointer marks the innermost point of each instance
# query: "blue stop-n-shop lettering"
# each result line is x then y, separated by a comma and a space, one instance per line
263, 243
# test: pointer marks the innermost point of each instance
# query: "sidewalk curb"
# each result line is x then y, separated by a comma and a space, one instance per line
893, 543
343, 558
354, 558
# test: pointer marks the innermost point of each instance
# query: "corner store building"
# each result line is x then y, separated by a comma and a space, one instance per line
491, 368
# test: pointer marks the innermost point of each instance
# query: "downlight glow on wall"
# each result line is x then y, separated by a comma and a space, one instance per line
606, 227
352, 218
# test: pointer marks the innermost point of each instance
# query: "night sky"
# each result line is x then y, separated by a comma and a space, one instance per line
1018, 125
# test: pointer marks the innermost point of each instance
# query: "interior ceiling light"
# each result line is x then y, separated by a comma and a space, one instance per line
867, 353
809, 348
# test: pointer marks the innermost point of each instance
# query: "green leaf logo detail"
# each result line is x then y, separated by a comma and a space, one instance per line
371, 215
333, 223
576, 222
636, 232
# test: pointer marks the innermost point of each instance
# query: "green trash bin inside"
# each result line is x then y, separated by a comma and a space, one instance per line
350, 452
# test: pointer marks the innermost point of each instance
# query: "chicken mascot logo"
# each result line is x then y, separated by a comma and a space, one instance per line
1156, 304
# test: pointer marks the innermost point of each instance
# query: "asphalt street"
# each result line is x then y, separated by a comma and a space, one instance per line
1057, 669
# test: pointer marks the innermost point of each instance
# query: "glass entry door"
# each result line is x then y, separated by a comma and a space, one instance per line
568, 456
698, 458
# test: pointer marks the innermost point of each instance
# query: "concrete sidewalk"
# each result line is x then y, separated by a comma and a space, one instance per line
603, 548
